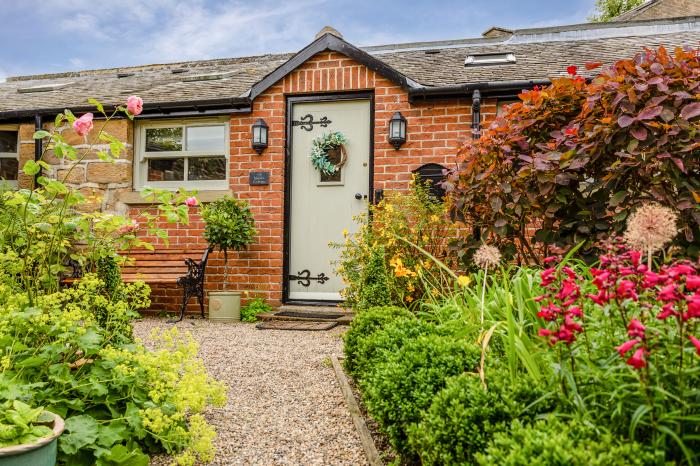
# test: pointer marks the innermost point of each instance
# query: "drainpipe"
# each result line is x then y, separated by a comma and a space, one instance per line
476, 114
38, 145
476, 133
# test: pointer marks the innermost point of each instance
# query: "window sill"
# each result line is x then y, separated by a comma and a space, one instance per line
135, 197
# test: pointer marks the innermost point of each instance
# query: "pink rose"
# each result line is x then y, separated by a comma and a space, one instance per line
134, 105
191, 201
83, 125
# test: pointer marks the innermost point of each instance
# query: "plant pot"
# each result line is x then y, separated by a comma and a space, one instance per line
40, 453
225, 306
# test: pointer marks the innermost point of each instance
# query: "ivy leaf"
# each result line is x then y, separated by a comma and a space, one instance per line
82, 431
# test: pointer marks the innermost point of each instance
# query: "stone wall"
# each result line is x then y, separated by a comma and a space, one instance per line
101, 182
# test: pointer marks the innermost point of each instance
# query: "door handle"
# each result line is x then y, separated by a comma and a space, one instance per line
358, 196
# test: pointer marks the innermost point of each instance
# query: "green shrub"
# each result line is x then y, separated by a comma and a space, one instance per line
229, 224
464, 416
557, 443
373, 349
373, 284
249, 312
401, 388
365, 324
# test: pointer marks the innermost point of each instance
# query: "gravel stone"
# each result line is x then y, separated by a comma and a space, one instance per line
284, 405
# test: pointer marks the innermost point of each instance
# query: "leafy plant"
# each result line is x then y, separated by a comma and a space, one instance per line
365, 324
402, 386
380, 269
607, 10
559, 443
465, 415
22, 424
572, 160
229, 224
255, 306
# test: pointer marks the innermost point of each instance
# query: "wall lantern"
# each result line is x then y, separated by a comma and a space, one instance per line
260, 135
397, 130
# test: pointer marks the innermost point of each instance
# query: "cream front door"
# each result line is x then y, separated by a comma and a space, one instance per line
321, 207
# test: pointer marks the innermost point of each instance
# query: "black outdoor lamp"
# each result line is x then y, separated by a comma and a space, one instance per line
260, 135
397, 130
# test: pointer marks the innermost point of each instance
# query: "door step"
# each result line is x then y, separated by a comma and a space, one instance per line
309, 314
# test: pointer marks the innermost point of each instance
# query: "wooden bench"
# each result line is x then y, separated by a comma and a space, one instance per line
164, 266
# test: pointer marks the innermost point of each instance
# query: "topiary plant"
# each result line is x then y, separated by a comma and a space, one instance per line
229, 225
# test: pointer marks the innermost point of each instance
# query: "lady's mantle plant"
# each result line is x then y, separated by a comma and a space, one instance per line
71, 350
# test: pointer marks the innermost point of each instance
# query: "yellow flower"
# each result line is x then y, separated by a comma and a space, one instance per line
434, 292
463, 280
434, 218
345, 232
409, 299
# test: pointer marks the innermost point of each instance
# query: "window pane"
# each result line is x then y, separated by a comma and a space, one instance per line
9, 169
206, 138
166, 170
206, 168
8, 141
163, 139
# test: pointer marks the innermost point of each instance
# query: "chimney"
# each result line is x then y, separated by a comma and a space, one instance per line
329, 30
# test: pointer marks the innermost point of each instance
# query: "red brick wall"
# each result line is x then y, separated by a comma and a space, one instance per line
435, 130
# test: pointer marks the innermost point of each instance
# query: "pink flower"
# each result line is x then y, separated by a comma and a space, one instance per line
568, 288
546, 276
133, 226
191, 201
550, 259
134, 105
680, 269
624, 348
83, 125
635, 256
637, 359
636, 329
695, 343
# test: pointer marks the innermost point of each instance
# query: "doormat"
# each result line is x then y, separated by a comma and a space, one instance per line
311, 314
295, 325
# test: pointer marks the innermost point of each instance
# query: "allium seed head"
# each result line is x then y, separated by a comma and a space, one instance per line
487, 256
651, 227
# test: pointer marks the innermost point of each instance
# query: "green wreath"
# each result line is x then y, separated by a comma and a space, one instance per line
320, 147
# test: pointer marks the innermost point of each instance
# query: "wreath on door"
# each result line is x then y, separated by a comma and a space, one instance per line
328, 152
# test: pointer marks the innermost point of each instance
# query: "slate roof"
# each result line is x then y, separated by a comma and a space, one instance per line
541, 53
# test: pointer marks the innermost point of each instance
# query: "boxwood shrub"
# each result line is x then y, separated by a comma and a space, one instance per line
464, 416
559, 443
365, 324
376, 347
400, 388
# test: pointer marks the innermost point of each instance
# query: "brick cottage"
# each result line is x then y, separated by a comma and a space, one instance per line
196, 131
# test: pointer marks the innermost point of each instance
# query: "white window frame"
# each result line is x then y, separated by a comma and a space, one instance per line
142, 157
11, 155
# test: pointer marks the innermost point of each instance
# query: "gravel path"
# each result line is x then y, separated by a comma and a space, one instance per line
285, 406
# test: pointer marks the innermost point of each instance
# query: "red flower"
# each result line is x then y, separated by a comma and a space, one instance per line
580, 79
601, 298
694, 306
568, 288
637, 359
547, 276
695, 343
636, 329
668, 293
550, 259
624, 348
680, 269
692, 282
626, 289
571, 131
572, 70
635, 256
667, 311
